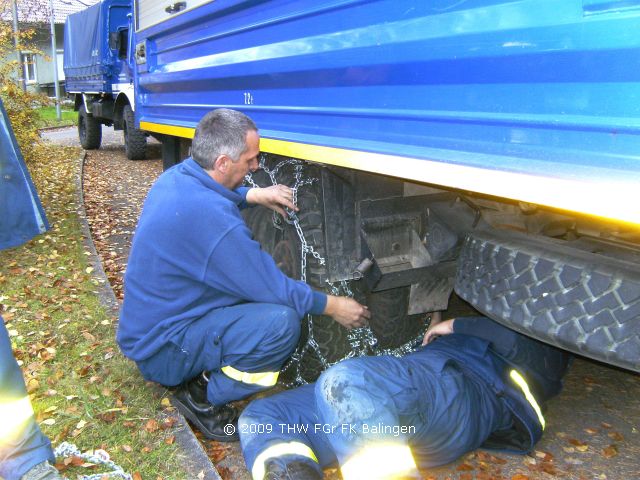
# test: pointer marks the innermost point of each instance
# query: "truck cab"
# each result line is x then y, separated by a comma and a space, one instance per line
99, 74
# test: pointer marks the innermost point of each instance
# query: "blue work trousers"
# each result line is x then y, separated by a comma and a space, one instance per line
250, 337
25, 447
420, 400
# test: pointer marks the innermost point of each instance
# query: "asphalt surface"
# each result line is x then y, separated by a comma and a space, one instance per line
593, 427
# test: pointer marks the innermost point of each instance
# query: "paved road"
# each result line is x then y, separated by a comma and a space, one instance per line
69, 136
593, 427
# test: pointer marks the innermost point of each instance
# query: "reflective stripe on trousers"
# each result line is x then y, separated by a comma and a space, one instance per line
279, 450
13, 415
381, 462
524, 386
264, 379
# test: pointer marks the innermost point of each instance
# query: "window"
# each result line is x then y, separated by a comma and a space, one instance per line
123, 43
29, 67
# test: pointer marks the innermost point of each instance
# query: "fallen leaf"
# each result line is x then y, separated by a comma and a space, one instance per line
151, 425
107, 417
89, 337
610, 451
73, 461
616, 436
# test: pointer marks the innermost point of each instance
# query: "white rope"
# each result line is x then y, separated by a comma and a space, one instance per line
98, 457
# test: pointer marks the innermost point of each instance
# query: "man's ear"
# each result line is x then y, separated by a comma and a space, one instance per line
221, 164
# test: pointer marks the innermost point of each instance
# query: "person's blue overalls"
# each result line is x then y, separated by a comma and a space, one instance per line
23, 447
22, 444
384, 417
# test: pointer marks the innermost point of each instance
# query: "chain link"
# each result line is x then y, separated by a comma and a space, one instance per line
362, 340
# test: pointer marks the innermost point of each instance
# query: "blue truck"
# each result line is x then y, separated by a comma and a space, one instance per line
99, 74
448, 155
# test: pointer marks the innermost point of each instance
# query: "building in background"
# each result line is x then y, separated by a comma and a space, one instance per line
38, 65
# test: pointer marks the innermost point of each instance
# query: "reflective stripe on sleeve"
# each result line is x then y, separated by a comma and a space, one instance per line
265, 379
522, 383
278, 450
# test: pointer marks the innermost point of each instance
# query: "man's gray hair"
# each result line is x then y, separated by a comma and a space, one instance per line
221, 132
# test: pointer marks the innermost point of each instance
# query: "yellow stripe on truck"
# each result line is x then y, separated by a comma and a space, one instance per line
184, 132
610, 200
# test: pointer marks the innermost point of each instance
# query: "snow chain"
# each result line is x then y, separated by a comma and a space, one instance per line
98, 457
362, 340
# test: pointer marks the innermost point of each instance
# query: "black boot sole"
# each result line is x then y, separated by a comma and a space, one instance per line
187, 413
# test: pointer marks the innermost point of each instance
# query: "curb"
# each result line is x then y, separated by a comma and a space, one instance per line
196, 462
54, 128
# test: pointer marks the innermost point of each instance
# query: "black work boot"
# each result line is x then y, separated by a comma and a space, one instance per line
198, 389
277, 469
215, 423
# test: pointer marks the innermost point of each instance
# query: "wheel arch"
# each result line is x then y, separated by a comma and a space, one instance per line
123, 99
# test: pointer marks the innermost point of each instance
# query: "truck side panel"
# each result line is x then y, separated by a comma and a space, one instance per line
534, 100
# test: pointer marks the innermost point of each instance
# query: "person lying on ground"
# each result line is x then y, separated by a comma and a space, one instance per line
473, 383
200, 295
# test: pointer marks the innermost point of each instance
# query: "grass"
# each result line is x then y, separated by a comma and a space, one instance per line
48, 117
82, 389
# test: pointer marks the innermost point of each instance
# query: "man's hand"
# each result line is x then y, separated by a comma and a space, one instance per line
347, 312
276, 197
442, 328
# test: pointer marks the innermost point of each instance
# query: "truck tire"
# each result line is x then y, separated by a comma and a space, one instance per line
587, 302
281, 241
135, 141
89, 130
390, 321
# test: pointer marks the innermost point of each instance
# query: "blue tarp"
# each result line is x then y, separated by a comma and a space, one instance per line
90, 65
21, 214
84, 43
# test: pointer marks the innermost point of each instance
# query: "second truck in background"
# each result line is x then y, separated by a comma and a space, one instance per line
99, 74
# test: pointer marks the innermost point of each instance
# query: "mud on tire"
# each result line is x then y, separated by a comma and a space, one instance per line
578, 300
